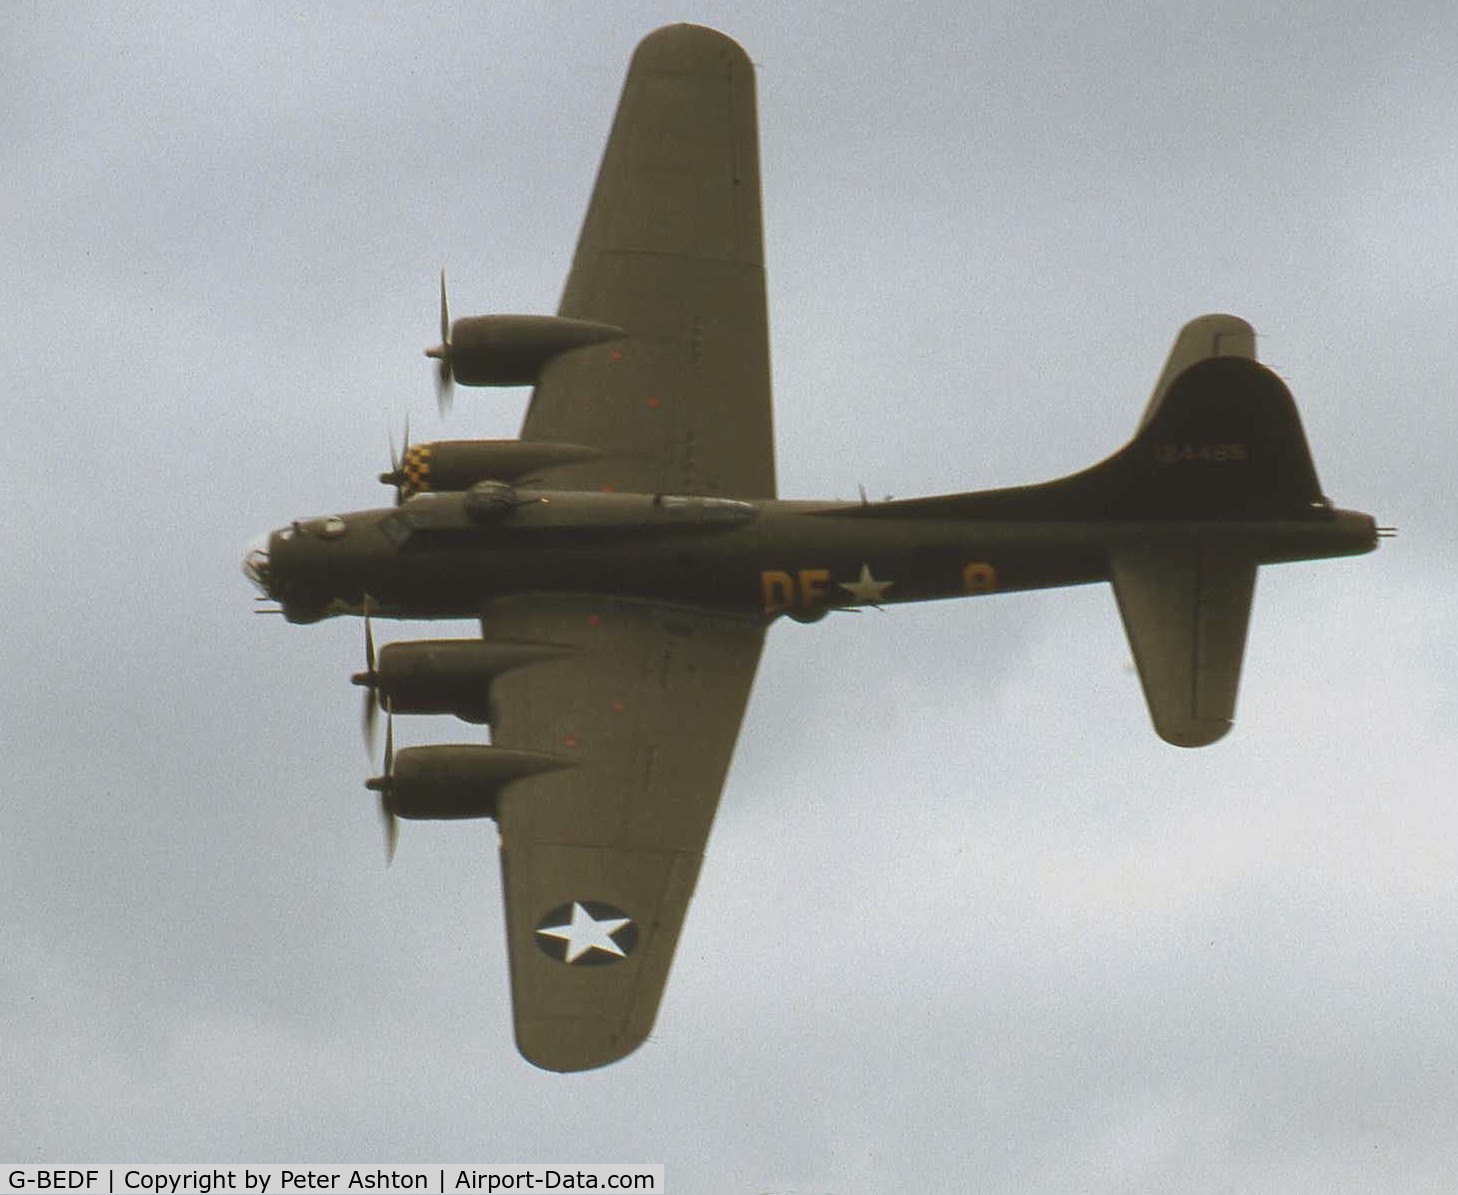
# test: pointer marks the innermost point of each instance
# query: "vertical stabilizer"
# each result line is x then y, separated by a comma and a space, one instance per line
1203, 337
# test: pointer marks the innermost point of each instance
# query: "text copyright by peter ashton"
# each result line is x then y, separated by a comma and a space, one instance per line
642, 1179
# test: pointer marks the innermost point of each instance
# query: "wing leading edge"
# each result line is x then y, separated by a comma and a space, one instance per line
599, 860
671, 250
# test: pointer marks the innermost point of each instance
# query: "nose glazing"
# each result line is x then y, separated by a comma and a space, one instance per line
255, 563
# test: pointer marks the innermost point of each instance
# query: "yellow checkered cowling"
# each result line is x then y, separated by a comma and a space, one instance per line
416, 471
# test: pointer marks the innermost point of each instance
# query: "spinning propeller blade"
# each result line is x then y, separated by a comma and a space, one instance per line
444, 376
384, 785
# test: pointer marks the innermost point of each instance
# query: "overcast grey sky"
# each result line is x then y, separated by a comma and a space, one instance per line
965, 921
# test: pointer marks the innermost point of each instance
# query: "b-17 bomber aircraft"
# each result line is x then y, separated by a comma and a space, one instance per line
625, 556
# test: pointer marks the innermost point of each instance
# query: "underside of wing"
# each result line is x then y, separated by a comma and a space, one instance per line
599, 859
671, 251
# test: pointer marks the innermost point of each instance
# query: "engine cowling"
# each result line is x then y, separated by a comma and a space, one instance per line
448, 466
511, 350
455, 781
448, 676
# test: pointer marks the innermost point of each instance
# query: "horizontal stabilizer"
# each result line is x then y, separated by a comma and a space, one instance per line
1185, 609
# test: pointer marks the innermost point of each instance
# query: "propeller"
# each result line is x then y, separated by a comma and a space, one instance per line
385, 785
370, 679
444, 377
396, 476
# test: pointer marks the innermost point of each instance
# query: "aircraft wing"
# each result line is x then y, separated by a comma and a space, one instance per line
671, 251
599, 859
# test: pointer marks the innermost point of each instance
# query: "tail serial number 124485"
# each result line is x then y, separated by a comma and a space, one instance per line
1179, 454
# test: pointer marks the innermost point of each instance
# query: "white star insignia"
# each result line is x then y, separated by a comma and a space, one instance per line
866, 590
584, 932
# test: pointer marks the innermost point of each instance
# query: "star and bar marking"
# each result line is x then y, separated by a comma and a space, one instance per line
811, 591
587, 933
865, 590
811, 588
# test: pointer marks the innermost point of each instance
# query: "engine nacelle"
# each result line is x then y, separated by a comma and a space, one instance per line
448, 466
449, 782
510, 350
448, 676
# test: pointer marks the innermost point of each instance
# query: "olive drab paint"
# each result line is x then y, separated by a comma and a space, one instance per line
625, 556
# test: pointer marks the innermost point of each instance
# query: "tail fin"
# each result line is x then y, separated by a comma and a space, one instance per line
1223, 441
1220, 439
1205, 336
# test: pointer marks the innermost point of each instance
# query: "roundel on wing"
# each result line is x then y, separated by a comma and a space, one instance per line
587, 933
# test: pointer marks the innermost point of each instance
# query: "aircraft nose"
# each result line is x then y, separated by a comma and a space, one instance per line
255, 563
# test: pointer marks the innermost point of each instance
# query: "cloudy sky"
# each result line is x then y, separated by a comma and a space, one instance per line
965, 921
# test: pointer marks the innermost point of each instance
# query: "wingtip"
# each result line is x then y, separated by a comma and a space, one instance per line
1195, 733
567, 1045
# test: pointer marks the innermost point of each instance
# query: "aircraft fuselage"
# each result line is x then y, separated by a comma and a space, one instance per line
443, 557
